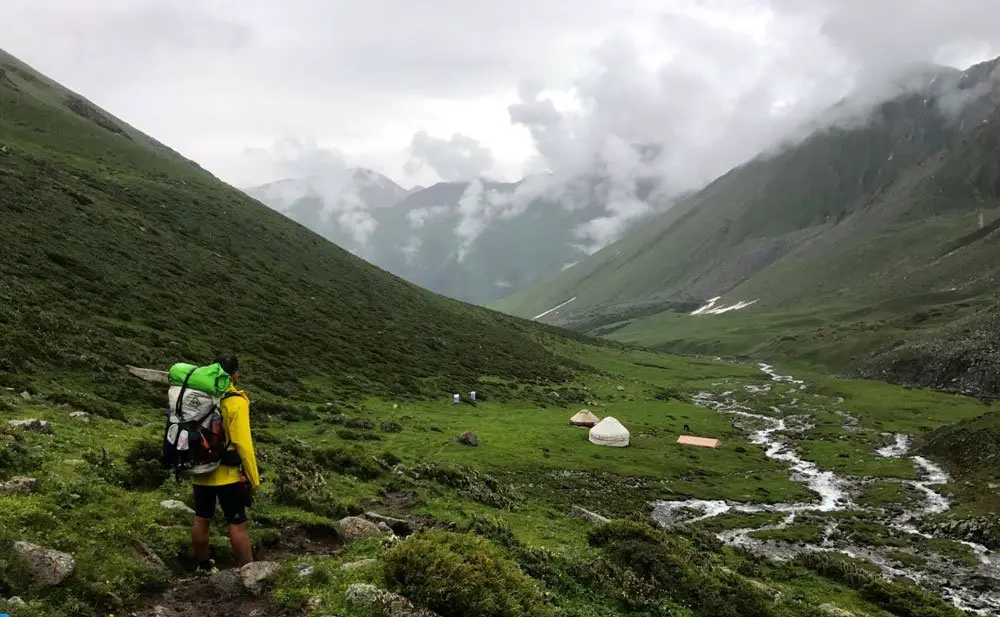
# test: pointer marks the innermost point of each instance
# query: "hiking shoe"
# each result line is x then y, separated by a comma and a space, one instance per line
207, 568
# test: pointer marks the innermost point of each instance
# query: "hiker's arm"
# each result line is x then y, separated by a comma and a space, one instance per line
239, 435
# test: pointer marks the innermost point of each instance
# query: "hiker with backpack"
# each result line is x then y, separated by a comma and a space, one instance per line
208, 439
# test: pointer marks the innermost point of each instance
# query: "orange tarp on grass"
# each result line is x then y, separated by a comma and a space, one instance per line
703, 442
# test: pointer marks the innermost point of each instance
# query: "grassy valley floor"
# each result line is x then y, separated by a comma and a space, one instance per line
99, 496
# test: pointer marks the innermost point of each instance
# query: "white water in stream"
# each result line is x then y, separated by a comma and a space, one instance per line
834, 494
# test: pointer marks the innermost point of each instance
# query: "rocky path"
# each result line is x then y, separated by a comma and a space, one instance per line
960, 583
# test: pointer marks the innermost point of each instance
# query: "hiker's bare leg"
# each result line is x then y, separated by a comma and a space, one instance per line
199, 538
240, 540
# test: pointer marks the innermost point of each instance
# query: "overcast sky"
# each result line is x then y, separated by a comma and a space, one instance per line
256, 90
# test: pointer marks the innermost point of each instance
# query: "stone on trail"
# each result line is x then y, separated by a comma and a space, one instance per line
354, 528
257, 574
46, 566
399, 526
33, 424
173, 504
228, 583
162, 611
19, 485
587, 515
357, 565
382, 602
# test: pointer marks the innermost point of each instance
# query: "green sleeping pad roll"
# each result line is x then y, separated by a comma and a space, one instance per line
211, 379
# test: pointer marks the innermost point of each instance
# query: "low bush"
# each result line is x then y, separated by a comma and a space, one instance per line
461, 575
89, 403
644, 568
475, 485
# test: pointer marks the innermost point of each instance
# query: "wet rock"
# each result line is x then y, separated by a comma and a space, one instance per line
80, 416
228, 583
468, 439
46, 566
587, 515
354, 528
256, 575
357, 565
19, 485
381, 602
399, 526
173, 504
33, 424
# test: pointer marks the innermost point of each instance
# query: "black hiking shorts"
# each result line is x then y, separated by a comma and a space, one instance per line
232, 498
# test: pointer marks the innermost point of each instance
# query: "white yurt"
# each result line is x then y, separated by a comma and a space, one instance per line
584, 417
609, 432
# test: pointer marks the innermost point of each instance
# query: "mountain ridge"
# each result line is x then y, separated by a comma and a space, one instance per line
826, 237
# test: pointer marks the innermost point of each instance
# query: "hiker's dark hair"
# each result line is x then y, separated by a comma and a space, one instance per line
229, 363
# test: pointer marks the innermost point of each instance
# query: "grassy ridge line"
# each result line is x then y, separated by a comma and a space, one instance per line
117, 251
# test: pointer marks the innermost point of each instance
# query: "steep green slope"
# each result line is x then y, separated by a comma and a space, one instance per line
860, 238
117, 250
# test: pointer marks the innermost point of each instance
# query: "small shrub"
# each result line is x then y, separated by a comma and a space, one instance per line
285, 411
906, 600
475, 485
392, 427
460, 575
349, 435
90, 403
143, 465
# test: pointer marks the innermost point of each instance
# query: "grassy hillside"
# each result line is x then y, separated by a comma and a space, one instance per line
117, 250
862, 238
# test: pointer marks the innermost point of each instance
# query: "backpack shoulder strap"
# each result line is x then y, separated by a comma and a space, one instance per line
180, 397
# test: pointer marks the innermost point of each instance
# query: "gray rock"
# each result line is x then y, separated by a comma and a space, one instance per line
81, 416
357, 565
162, 611
587, 515
257, 574
384, 528
353, 528
304, 569
33, 424
173, 504
313, 603
382, 602
468, 439
26, 395
398, 525
228, 583
46, 566
19, 485
16, 601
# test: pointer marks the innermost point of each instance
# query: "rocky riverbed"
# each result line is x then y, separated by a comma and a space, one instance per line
971, 584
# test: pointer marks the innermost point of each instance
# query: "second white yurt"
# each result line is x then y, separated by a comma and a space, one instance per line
609, 432
584, 417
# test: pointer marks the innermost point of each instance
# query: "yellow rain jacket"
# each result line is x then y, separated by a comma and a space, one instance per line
235, 412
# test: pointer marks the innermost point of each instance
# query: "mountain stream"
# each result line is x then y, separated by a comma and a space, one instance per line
970, 587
